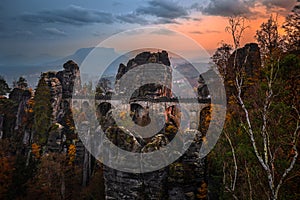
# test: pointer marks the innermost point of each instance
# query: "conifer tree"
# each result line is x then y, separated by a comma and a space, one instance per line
4, 88
42, 112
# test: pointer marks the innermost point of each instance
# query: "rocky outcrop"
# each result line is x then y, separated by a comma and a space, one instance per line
56, 92
152, 90
245, 60
61, 85
143, 58
181, 180
18, 119
122, 185
22, 108
247, 57
69, 78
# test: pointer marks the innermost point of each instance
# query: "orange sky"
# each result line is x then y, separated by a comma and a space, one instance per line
210, 31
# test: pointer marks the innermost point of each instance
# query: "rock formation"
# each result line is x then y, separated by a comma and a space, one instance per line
61, 86
247, 57
183, 179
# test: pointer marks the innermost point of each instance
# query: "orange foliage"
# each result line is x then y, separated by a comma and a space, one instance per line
71, 153
202, 191
30, 105
6, 173
123, 115
36, 150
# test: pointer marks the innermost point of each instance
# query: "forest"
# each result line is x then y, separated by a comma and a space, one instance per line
256, 157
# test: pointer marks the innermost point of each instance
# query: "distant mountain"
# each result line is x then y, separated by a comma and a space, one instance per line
103, 55
82, 53
32, 72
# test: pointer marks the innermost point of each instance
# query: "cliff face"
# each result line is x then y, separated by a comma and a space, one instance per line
26, 95
67, 78
143, 58
15, 115
150, 90
19, 119
248, 57
181, 179
56, 92
61, 86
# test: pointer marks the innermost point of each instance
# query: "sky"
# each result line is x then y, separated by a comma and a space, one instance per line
35, 31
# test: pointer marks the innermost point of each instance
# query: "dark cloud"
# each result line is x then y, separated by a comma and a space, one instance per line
227, 8
116, 3
197, 19
165, 21
163, 9
240, 7
196, 32
74, 15
132, 18
23, 33
54, 31
287, 4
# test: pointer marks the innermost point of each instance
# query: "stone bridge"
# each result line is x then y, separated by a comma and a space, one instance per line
190, 107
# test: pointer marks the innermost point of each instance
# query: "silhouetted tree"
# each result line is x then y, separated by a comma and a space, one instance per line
21, 83
292, 29
4, 88
221, 56
268, 38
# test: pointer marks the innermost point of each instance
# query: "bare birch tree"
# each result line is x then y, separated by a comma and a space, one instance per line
261, 135
221, 58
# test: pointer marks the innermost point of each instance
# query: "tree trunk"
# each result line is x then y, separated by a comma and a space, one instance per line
85, 170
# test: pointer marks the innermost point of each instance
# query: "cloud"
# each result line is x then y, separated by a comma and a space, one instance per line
23, 33
116, 3
55, 31
163, 32
212, 31
18, 33
73, 14
227, 8
197, 19
131, 32
196, 32
97, 33
164, 12
163, 9
132, 18
287, 4
207, 31
165, 21
240, 7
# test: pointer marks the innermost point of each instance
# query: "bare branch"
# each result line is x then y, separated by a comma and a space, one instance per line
234, 161
294, 148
